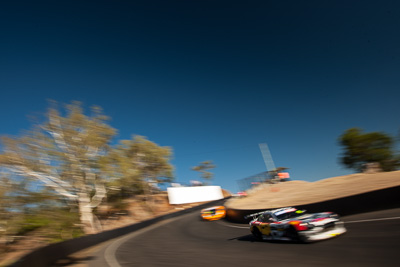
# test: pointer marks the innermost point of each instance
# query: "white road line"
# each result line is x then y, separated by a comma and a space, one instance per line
111, 259
109, 253
372, 220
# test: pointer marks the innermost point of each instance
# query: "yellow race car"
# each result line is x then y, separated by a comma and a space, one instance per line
213, 213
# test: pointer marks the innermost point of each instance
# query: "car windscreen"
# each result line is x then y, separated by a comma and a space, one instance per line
209, 211
284, 215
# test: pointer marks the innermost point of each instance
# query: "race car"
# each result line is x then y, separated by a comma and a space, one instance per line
213, 213
292, 224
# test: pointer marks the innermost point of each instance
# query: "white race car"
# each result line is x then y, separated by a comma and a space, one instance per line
297, 225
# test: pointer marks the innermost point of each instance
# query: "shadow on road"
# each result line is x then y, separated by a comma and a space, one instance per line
251, 238
248, 238
69, 261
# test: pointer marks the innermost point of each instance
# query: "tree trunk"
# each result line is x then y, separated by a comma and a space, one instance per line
86, 214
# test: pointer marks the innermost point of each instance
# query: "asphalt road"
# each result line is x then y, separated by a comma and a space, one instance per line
372, 239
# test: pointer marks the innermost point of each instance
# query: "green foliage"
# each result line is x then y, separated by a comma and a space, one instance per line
70, 157
203, 169
31, 223
42, 212
64, 153
361, 148
56, 224
136, 164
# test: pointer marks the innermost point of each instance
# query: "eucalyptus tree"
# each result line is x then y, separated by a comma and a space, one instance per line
363, 148
203, 169
65, 153
13, 199
139, 165
4, 205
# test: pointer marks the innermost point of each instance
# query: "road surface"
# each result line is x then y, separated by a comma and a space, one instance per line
372, 239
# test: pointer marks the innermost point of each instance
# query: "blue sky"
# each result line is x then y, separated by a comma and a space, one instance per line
211, 79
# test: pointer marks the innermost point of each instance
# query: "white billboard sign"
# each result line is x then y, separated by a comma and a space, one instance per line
193, 194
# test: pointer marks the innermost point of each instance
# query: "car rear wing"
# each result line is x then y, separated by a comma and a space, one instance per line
272, 210
254, 215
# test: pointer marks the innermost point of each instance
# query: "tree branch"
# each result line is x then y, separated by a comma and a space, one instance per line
50, 181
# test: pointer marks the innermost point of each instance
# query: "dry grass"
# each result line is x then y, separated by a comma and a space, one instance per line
294, 193
136, 211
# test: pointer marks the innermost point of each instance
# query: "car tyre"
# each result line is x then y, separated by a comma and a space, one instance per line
257, 234
292, 233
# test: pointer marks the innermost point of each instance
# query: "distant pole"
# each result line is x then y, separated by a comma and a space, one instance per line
269, 163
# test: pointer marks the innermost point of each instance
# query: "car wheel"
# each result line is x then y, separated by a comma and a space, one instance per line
257, 234
291, 233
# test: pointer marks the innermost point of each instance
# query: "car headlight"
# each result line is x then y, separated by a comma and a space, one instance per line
306, 226
334, 216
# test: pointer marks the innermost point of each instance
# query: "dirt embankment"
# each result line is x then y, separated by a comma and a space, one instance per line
136, 210
292, 193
